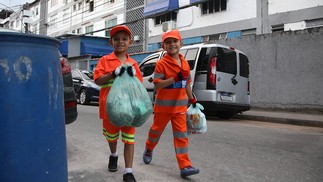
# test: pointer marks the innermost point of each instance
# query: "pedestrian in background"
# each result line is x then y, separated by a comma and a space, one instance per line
109, 66
172, 82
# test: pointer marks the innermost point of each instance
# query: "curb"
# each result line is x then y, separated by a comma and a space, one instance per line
292, 121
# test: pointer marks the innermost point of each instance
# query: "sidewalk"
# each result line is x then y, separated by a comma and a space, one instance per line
294, 118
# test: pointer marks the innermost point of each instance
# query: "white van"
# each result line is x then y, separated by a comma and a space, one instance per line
220, 77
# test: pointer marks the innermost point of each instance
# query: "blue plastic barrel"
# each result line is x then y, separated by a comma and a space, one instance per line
32, 127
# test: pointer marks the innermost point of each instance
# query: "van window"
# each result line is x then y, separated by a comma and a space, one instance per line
226, 61
203, 59
148, 67
191, 57
244, 66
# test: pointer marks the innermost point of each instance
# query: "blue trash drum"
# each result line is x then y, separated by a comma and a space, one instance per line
32, 126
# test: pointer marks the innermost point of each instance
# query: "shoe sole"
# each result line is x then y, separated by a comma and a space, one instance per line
185, 175
113, 170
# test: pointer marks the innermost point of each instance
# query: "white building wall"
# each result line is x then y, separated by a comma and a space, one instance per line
280, 6
69, 19
191, 18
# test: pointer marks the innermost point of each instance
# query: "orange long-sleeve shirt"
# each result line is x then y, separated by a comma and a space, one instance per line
107, 64
173, 98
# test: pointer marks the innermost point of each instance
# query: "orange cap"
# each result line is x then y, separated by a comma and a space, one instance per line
119, 28
171, 34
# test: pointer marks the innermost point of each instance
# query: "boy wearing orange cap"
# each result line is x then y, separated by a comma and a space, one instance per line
172, 81
109, 66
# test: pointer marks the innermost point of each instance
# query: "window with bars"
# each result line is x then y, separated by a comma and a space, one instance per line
79, 5
91, 6
166, 17
53, 21
53, 3
110, 23
89, 29
65, 15
109, 1
79, 31
213, 6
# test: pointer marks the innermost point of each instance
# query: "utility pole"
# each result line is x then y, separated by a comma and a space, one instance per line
43, 17
26, 14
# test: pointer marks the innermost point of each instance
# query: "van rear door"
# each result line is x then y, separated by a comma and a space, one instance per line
225, 78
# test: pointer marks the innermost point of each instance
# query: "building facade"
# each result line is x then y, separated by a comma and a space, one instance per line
211, 20
197, 20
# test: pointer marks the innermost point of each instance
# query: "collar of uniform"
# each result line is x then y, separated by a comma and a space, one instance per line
171, 60
113, 56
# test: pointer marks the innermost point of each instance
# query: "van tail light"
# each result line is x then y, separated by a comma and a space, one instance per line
66, 68
212, 73
70, 104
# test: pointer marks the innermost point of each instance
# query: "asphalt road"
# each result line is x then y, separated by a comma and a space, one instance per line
231, 150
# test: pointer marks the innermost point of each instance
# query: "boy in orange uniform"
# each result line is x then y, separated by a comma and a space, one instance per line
172, 81
109, 66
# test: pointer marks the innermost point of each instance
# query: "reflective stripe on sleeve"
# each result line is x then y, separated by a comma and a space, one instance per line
159, 75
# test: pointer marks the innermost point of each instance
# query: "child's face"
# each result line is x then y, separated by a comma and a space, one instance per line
172, 46
120, 42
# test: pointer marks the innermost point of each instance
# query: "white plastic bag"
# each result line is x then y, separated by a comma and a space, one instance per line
195, 120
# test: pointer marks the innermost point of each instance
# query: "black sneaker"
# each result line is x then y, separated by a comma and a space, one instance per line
187, 171
113, 164
147, 156
129, 177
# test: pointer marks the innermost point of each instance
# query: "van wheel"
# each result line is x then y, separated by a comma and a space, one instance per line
225, 115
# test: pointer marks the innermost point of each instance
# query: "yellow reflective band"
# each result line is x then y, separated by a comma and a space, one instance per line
110, 136
109, 84
106, 85
128, 137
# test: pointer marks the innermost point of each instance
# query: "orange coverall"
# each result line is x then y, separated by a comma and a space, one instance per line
107, 64
171, 104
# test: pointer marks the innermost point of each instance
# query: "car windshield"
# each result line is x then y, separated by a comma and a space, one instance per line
88, 75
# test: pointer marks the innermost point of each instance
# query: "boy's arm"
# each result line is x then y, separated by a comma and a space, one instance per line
101, 77
189, 91
164, 83
104, 79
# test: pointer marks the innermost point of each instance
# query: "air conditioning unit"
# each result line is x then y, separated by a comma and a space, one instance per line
169, 25
136, 38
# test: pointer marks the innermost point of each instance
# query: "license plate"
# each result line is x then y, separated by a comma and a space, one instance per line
226, 97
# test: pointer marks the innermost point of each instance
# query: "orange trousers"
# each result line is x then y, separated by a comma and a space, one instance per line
178, 121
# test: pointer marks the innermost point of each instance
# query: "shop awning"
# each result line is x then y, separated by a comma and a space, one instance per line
63, 48
193, 2
96, 50
157, 7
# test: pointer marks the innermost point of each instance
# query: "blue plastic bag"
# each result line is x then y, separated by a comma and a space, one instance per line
195, 120
128, 102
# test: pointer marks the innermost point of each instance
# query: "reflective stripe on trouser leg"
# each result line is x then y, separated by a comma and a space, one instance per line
180, 140
110, 137
128, 138
156, 130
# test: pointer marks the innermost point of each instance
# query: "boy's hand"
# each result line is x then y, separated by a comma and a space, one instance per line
193, 102
131, 70
182, 75
118, 71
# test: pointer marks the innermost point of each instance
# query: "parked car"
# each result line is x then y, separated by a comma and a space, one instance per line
85, 87
70, 101
220, 77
